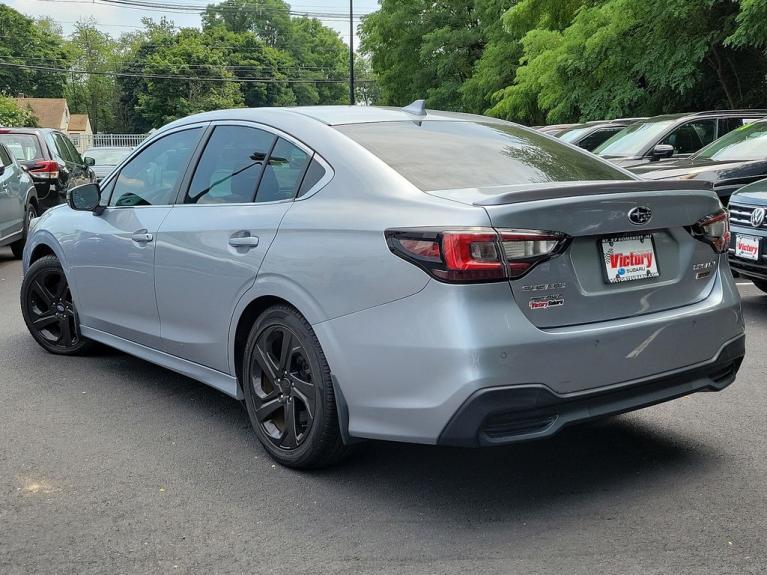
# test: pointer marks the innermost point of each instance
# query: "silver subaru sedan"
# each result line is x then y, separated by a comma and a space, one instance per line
409, 275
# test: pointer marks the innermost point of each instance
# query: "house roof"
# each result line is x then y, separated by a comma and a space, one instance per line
50, 112
78, 122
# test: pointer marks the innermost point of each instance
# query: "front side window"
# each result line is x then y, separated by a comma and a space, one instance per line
230, 167
445, 155
691, 137
283, 174
152, 178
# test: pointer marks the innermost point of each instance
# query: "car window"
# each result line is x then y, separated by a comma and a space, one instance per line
107, 156
748, 142
230, 167
634, 139
153, 176
73, 153
62, 148
24, 146
692, 136
597, 137
314, 173
286, 167
5, 157
442, 155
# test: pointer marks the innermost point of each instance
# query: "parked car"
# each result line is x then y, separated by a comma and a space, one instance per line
329, 267
18, 203
555, 129
731, 162
591, 134
50, 158
677, 135
748, 254
105, 159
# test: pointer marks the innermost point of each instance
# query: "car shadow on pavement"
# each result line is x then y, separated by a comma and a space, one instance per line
625, 454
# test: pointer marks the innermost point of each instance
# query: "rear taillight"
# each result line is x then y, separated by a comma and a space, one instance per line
45, 169
714, 230
475, 254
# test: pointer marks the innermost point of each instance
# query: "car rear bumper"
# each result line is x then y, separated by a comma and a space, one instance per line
407, 367
499, 416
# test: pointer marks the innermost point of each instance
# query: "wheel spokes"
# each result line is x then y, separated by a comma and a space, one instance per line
289, 437
43, 293
266, 363
267, 408
304, 391
286, 351
44, 320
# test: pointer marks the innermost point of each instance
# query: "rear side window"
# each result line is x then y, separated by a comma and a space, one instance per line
153, 176
284, 171
314, 173
597, 137
230, 167
441, 155
24, 147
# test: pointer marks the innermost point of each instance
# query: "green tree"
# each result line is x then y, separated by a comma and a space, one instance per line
11, 114
94, 93
29, 54
269, 20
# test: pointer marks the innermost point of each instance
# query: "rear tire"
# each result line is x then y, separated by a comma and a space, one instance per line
17, 247
49, 311
289, 392
761, 284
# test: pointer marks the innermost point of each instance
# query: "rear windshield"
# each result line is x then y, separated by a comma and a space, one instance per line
23, 146
442, 155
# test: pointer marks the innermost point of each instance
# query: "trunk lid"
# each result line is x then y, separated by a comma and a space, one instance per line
573, 288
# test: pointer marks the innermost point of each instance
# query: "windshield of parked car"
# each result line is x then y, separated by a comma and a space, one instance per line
107, 156
632, 140
574, 134
24, 147
444, 155
748, 142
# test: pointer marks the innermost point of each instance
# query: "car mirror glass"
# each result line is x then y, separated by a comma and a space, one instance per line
89, 161
84, 198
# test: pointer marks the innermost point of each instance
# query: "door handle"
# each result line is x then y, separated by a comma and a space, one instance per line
243, 241
142, 237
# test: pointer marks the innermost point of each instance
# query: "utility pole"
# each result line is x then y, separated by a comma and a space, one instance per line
351, 53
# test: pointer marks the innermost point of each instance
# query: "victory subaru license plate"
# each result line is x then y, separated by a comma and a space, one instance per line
746, 247
629, 258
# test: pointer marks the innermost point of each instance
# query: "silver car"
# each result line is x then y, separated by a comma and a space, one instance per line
18, 202
354, 272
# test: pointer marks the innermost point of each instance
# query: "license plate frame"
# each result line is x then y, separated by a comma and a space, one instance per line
747, 237
651, 271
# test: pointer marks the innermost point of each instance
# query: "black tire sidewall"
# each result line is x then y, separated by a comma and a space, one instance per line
47, 263
307, 454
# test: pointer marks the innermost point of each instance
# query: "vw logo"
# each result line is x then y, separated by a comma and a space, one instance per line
757, 217
640, 215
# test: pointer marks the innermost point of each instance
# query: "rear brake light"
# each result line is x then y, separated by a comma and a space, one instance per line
475, 254
714, 230
46, 169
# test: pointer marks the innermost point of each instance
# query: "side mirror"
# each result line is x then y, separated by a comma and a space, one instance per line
661, 151
84, 198
89, 161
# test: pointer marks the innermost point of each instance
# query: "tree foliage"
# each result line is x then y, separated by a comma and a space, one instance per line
568, 60
11, 114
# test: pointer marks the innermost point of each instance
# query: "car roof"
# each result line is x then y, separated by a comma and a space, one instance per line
9, 130
331, 115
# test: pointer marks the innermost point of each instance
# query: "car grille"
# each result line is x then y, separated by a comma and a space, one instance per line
741, 215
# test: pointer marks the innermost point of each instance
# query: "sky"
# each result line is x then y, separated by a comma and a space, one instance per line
115, 19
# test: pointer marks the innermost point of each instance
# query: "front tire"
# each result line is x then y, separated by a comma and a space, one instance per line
17, 247
289, 391
48, 309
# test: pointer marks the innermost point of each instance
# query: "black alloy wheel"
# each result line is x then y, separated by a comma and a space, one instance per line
289, 392
48, 308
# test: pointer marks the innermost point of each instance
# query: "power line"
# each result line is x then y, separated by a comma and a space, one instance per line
115, 74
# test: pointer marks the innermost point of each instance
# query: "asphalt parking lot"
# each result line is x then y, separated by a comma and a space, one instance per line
111, 465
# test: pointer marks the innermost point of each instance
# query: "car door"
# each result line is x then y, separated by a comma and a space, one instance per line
11, 198
211, 245
112, 257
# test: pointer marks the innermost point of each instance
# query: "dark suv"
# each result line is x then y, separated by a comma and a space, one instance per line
677, 135
50, 158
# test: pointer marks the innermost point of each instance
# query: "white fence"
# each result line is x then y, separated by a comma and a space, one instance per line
85, 141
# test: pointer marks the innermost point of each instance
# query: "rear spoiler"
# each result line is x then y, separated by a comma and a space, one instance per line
569, 189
